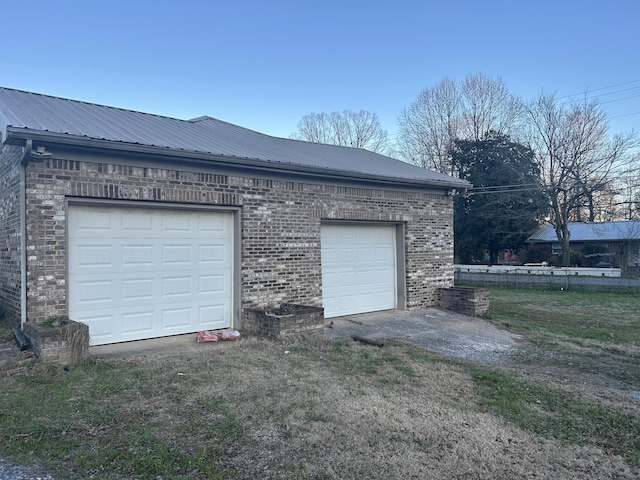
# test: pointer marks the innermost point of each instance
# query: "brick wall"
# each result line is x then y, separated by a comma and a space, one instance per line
10, 231
280, 226
465, 300
56, 344
293, 320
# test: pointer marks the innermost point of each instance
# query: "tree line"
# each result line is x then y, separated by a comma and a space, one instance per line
546, 159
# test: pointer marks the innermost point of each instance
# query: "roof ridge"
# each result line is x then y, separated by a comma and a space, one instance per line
204, 118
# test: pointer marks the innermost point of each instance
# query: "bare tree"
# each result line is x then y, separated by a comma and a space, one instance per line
488, 107
428, 128
576, 157
451, 111
314, 127
626, 202
348, 129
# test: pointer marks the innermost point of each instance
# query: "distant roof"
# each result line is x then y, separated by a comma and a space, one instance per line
41, 117
591, 232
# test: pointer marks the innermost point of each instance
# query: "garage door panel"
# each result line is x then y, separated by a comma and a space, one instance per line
136, 255
100, 221
174, 223
176, 286
137, 289
175, 254
346, 254
346, 279
212, 225
382, 278
211, 254
103, 328
95, 291
365, 255
358, 268
212, 317
94, 256
176, 318
138, 322
212, 284
384, 255
366, 278
136, 223
152, 273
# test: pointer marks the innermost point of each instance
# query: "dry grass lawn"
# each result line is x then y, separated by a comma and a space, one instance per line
257, 409
315, 408
391, 416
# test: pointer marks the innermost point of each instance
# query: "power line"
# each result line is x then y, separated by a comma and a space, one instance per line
617, 91
625, 115
519, 188
597, 100
494, 187
576, 99
598, 89
505, 189
619, 99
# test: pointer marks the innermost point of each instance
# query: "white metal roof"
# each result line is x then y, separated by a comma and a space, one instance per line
591, 232
31, 115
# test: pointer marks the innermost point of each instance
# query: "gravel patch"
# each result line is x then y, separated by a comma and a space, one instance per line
11, 471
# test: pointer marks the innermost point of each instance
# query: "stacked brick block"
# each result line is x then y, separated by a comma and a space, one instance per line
51, 344
468, 301
302, 319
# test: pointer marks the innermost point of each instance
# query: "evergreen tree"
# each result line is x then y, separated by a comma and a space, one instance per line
506, 203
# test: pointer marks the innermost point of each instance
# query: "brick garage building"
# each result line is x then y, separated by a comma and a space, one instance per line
144, 226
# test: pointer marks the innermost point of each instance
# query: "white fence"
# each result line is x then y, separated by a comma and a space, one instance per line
539, 270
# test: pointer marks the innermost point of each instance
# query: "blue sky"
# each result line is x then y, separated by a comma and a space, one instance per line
265, 64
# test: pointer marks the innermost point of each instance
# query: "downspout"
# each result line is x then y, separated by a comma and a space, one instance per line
23, 231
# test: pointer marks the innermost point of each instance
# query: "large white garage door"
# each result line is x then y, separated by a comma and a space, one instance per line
138, 273
358, 269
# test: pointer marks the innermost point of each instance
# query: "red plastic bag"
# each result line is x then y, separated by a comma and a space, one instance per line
229, 335
207, 336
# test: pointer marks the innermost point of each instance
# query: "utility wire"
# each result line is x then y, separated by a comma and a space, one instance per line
619, 99
578, 99
513, 190
598, 89
625, 115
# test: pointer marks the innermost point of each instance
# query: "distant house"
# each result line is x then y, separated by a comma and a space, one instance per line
606, 244
145, 226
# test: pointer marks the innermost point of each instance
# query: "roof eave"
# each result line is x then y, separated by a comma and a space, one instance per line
17, 136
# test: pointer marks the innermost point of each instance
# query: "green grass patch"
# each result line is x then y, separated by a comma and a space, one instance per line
566, 416
106, 419
580, 315
589, 332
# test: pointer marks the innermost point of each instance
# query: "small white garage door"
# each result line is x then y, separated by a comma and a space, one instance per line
358, 269
137, 273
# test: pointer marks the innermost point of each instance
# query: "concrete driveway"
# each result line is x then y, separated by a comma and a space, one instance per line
442, 331
434, 329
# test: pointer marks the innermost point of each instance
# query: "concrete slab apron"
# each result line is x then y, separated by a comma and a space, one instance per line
442, 331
